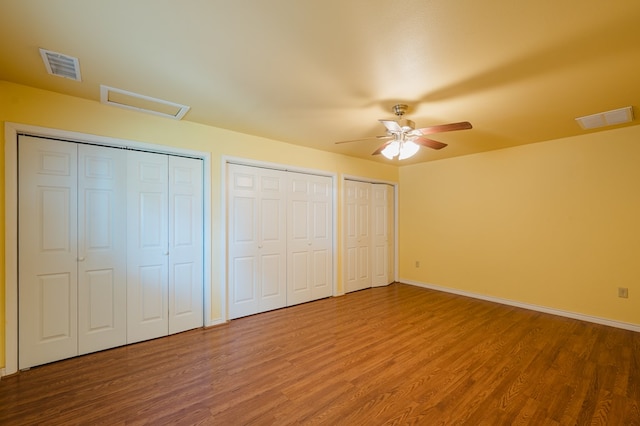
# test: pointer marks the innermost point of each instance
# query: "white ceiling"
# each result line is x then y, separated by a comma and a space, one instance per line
316, 72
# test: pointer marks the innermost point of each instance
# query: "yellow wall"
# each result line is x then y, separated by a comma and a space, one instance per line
554, 224
20, 104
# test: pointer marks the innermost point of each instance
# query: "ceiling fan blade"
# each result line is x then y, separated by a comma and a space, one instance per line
463, 125
365, 139
391, 125
381, 147
430, 143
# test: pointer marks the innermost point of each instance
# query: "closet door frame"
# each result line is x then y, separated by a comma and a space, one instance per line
395, 221
12, 131
285, 168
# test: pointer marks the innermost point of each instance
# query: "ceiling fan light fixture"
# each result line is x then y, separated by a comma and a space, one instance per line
402, 149
408, 149
391, 150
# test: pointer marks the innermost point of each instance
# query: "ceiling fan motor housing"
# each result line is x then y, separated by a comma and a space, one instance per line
406, 125
399, 109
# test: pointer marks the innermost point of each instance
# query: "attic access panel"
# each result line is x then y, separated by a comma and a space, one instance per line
134, 101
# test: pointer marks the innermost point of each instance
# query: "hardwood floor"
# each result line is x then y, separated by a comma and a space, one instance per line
393, 355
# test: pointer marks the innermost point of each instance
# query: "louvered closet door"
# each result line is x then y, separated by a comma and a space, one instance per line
309, 242
147, 246
47, 251
256, 240
185, 244
102, 248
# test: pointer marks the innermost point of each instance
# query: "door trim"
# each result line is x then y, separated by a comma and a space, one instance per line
12, 130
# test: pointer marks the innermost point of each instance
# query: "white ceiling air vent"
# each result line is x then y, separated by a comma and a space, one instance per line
607, 118
134, 101
61, 65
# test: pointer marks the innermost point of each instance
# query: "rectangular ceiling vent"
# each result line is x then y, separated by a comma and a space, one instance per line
134, 101
61, 65
607, 118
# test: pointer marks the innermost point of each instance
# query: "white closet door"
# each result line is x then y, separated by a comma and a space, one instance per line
47, 252
309, 243
242, 235
256, 240
147, 246
242, 222
185, 244
382, 234
272, 241
358, 235
102, 248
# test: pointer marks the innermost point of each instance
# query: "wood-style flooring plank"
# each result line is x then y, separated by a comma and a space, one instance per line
393, 355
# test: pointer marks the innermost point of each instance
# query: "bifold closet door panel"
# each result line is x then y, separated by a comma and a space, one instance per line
256, 240
242, 220
47, 251
309, 242
102, 248
357, 228
382, 234
272, 240
185, 244
147, 246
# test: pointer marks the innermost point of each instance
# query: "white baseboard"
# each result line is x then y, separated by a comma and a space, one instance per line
567, 314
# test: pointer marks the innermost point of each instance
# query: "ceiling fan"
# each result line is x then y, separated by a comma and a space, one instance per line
404, 139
